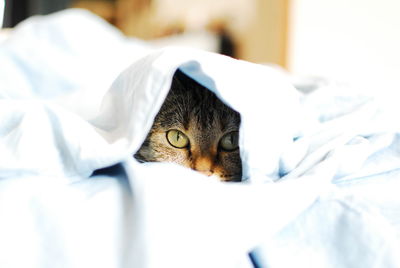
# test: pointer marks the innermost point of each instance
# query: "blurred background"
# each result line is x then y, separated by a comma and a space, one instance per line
348, 40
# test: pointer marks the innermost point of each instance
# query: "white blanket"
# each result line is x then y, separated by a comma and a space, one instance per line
321, 168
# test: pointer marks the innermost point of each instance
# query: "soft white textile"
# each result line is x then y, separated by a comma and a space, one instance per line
321, 168
353, 137
55, 56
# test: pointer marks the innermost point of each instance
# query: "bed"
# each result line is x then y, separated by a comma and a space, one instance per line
321, 160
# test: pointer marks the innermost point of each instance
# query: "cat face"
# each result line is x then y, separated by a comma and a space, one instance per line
196, 130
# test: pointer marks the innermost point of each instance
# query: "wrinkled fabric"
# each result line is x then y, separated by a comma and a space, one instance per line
320, 168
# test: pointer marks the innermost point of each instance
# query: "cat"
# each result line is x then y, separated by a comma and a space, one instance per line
194, 128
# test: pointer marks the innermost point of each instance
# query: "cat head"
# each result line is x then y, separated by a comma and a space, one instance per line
195, 129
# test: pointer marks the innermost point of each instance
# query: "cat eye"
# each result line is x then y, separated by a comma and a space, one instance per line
177, 139
230, 141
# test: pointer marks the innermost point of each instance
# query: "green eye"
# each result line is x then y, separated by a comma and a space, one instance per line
230, 141
177, 139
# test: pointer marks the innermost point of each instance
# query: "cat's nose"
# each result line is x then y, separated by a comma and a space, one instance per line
203, 165
206, 172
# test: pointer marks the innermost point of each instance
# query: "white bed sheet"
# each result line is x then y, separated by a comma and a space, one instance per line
321, 168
